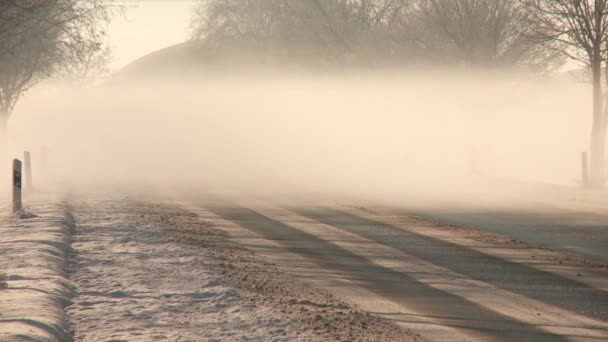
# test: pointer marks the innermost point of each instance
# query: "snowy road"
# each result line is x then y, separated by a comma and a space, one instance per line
443, 282
153, 272
121, 268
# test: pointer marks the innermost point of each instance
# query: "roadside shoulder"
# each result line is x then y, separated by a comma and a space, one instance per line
33, 256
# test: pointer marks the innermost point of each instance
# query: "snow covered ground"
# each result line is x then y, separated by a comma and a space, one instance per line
138, 271
33, 256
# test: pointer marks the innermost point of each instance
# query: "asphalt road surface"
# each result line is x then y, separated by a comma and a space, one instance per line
438, 282
576, 230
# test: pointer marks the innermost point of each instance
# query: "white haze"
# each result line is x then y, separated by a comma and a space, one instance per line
271, 133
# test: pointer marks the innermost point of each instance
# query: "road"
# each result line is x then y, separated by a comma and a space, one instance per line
442, 283
560, 217
577, 230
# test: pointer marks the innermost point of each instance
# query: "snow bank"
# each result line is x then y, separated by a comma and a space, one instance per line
33, 254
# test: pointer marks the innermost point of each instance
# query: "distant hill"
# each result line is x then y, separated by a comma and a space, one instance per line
192, 60
176, 60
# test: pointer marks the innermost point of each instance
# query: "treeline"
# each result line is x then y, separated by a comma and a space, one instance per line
483, 33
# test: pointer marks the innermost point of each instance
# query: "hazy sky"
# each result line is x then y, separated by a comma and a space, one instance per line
148, 25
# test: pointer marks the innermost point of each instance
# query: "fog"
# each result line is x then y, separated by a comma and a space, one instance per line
408, 134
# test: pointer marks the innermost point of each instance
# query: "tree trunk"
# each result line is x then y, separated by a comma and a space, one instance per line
4, 159
598, 129
3, 137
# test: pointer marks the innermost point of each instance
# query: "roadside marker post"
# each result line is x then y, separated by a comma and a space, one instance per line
584, 170
17, 205
27, 164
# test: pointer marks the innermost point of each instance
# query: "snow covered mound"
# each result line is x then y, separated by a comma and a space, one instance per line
33, 258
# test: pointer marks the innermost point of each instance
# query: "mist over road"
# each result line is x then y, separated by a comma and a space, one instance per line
304, 170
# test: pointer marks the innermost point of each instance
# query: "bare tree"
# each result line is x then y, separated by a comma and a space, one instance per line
89, 69
579, 30
486, 33
330, 30
492, 33
39, 37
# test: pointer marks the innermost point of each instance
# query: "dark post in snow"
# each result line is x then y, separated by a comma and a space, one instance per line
585, 172
27, 164
16, 186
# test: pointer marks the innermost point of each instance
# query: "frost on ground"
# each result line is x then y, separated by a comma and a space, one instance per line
149, 272
32, 258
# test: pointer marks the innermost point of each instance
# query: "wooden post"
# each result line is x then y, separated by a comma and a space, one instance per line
27, 164
584, 170
17, 206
